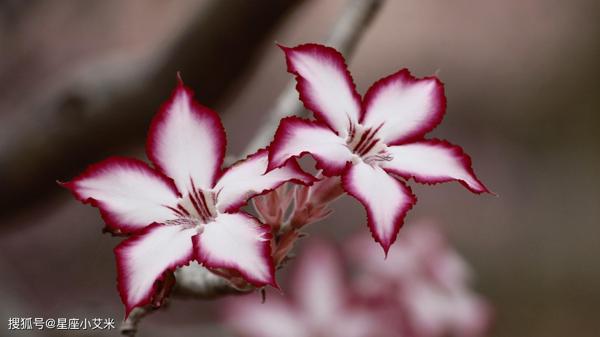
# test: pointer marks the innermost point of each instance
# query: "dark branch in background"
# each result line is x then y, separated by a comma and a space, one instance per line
197, 282
110, 105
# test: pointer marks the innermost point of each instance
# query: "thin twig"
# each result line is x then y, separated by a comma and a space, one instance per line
91, 109
129, 326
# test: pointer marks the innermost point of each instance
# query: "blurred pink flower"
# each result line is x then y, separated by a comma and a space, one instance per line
421, 290
374, 143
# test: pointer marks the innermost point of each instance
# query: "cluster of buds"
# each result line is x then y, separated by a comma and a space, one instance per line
289, 208
286, 210
421, 290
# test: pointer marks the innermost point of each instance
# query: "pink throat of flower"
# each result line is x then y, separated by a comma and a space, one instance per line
364, 143
194, 209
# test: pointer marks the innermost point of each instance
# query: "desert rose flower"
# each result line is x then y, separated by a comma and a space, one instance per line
184, 207
374, 143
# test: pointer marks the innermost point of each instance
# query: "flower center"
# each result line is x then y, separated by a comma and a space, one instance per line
195, 209
363, 142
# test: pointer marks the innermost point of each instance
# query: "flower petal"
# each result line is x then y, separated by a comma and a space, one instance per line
247, 178
273, 318
433, 161
143, 259
319, 285
386, 199
186, 141
237, 241
296, 136
407, 107
325, 84
129, 194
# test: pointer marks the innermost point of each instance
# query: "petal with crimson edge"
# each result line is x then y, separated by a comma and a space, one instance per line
187, 141
407, 107
247, 178
324, 84
237, 241
142, 260
433, 161
386, 199
296, 136
129, 194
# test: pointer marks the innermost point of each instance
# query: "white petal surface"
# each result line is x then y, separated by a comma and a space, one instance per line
143, 259
319, 285
129, 194
237, 241
296, 136
407, 107
359, 322
386, 199
187, 141
325, 85
433, 161
248, 178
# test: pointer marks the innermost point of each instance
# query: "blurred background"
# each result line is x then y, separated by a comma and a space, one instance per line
80, 80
